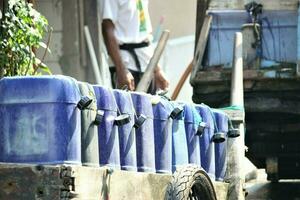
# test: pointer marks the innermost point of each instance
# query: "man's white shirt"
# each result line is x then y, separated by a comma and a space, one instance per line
126, 17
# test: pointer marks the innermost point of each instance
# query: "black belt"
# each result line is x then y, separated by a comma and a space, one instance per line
130, 48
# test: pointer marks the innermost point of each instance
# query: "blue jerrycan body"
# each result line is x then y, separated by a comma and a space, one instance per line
126, 131
207, 146
179, 143
40, 121
107, 129
221, 148
192, 121
145, 149
162, 109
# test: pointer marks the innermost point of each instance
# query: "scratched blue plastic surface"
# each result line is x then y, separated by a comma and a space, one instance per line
40, 122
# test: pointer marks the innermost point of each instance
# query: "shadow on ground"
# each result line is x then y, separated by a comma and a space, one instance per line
262, 189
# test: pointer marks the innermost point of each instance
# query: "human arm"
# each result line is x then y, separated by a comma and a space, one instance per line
124, 77
161, 81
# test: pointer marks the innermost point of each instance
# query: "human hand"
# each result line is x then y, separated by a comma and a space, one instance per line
124, 77
161, 81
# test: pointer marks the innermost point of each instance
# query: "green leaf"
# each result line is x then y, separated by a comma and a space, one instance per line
23, 29
45, 69
42, 44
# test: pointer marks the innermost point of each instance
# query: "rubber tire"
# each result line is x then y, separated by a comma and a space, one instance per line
188, 179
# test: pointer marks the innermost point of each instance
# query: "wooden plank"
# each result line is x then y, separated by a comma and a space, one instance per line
298, 43
268, 4
236, 116
236, 147
202, 45
85, 183
202, 6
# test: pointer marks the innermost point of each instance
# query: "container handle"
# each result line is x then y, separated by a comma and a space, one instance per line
140, 121
99, 117
122, 119
176, 112
201, 128
84, 102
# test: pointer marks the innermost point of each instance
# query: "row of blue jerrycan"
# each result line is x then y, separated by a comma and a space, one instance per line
58, 120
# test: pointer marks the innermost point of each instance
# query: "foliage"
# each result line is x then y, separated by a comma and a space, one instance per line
22, 30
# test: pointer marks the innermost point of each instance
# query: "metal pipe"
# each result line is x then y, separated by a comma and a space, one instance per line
148, 75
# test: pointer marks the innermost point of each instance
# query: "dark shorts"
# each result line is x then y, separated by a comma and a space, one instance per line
137, 77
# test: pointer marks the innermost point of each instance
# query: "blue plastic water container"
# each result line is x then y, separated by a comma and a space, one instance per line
207, 146
163, 134
145, 150
221, 148
127, 131
40, 121
179, 144
279, 35
89, 130
192, 120
108, 135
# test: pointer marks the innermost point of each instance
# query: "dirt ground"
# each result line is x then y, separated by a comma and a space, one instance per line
261, 189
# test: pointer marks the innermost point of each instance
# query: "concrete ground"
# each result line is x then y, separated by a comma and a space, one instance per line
261, 189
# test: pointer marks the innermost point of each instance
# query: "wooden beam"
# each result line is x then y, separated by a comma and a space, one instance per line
298, 42
236, 146
202, 6
268, 5
201, 45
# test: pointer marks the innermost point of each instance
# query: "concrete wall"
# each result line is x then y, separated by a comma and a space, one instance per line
53, 12
179, 16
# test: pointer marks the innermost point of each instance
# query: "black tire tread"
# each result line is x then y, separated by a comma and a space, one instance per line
186, 177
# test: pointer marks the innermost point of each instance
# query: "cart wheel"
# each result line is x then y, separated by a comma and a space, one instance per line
190, 183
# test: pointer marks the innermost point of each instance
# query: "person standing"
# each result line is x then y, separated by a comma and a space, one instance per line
126, 29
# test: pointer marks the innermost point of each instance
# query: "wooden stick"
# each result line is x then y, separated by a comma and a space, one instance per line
298, 42
237, 91
148, 75
182, 81
236, 146
201, 45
